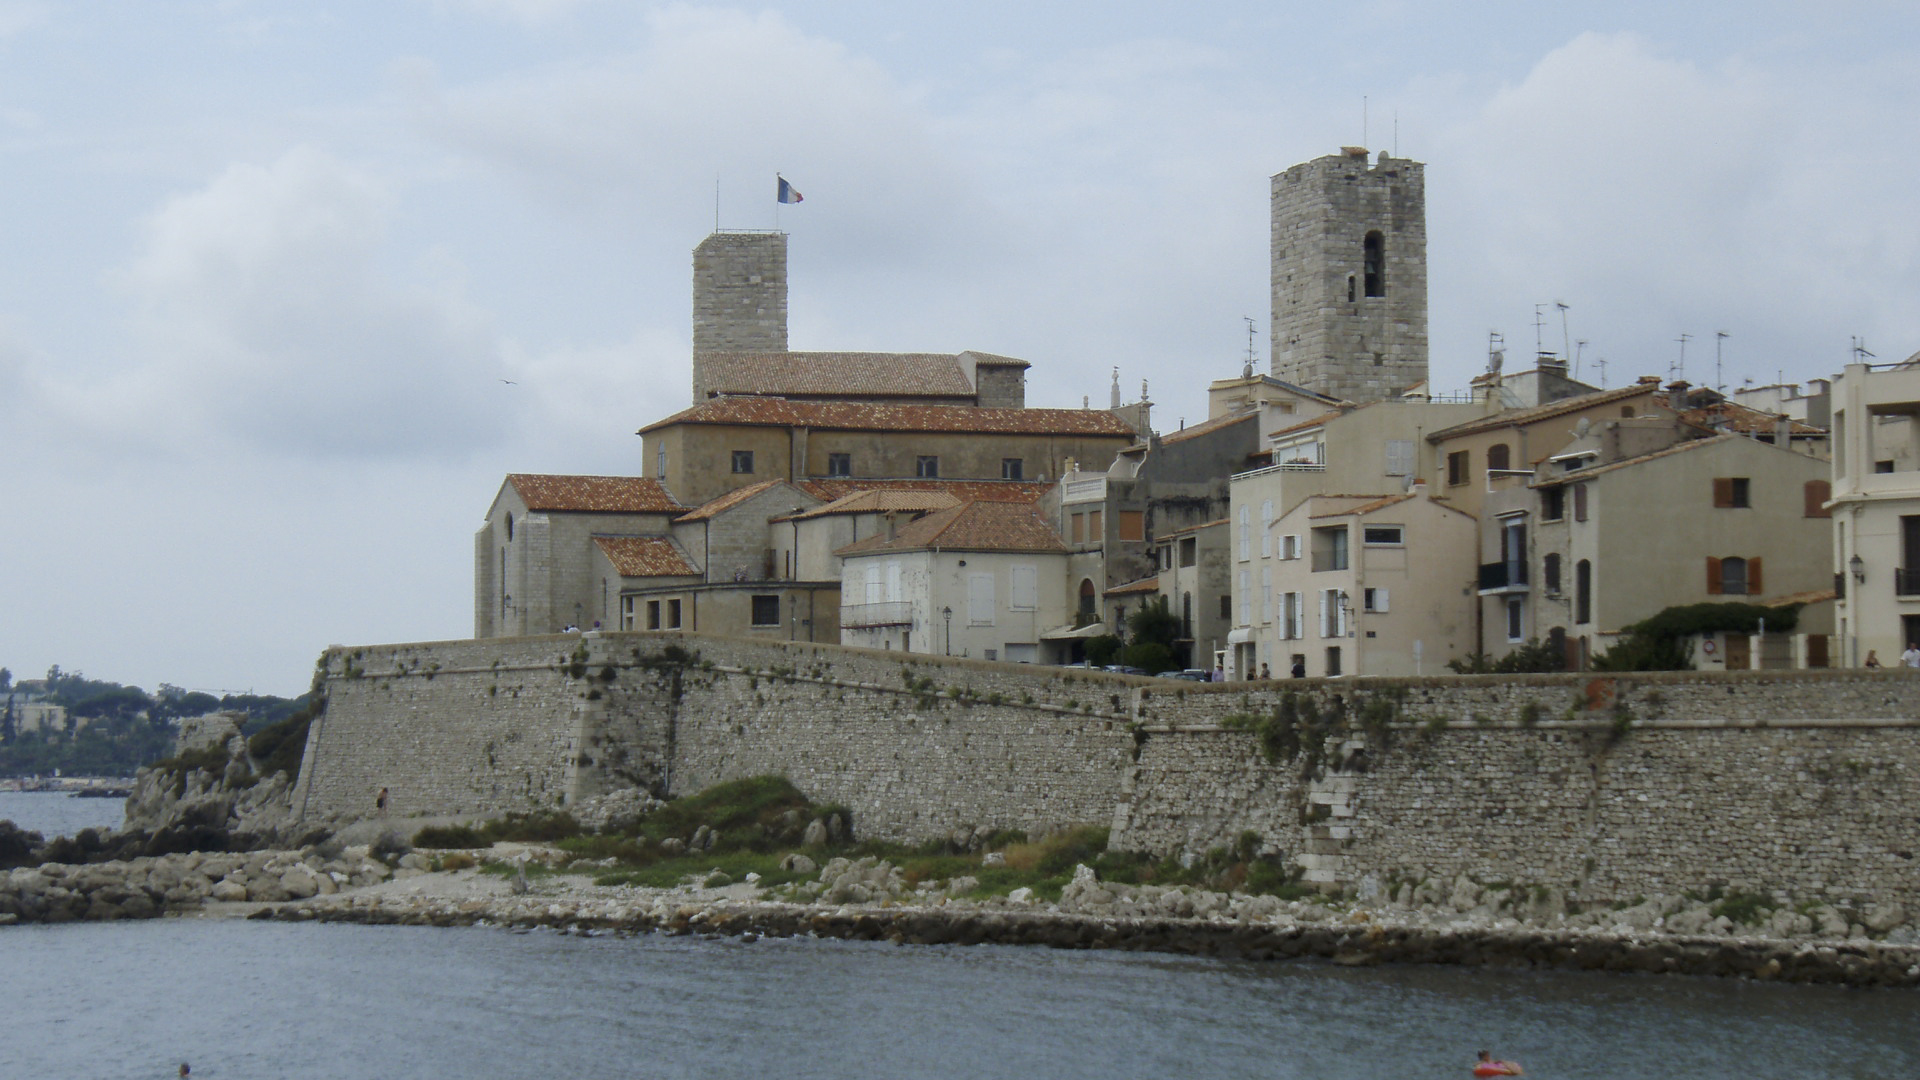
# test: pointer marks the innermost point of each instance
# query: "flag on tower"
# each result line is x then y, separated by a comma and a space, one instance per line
786, 193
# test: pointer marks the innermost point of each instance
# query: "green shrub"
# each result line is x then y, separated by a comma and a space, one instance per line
449, 836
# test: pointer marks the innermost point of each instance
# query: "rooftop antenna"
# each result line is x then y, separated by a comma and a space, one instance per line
1247, 372
1566, 339
1578, 348
1363, 119
1539, 327
1601, 363
1719, 383
1396, 133
1859, 349
1496, 351
1679, 370
716, 202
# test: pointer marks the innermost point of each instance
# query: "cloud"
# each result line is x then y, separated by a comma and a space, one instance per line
525, 12
267, 314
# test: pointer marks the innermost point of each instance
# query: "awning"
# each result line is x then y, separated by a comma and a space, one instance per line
1069, 633
1240, 636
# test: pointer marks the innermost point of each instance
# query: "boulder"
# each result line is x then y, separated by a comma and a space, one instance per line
815, 835
1882, 917
228, 891
702, 839
1465, 895
796, 863
993, 858
1022, 896
673, 845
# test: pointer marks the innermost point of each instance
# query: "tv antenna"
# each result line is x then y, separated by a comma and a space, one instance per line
1566, 339
1496, 351
1679, 370
1251, 332
1859, 350
1601, 363
1578, 348
1719, 384
1539, 328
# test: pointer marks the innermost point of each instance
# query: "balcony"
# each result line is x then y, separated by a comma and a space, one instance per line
1905, 582
1502, 577
861, 616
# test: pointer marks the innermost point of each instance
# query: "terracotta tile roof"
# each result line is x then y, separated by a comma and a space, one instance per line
1207, 427
970, 526
1537, 413
1732, 416
599, 494
852, 416
1195, 528
1144, 585
986, 359
881, 501
836, 374
644, 556
1024, 491
729, 500
1815, 596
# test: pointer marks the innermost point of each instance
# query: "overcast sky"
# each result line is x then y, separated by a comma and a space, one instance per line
264, 266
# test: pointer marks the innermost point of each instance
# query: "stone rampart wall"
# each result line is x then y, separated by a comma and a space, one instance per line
1806, 783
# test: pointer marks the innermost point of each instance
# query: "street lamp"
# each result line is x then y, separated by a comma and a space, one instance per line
947, 613
1859, 568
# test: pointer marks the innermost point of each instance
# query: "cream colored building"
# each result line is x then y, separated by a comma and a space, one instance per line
980, 579
1876, 510
1358, 585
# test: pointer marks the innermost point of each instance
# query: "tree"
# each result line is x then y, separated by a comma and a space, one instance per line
1152, 622
1101, 650
6, 680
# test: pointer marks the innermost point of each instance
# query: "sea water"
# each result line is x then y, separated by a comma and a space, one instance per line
245, 999
56, 813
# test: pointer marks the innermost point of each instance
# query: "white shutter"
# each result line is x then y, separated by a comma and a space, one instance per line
1026, 591
876, 586
1266, 594
1297, 628
1399, 457
1246, 533
979, 599
1326, 626
1243, 610
893, 581
1380, 600
1266, 527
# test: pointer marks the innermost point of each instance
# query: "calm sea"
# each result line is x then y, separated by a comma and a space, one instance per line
55, 813
240, 999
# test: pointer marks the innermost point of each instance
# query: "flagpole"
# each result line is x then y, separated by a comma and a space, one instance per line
776, 201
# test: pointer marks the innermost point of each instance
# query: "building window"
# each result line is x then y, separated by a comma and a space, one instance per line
1883, 466
766, 611
653, 614
1553, 504
1374, 600
1382, 535
1078, 524
1246, 533
1189, 551
1025, 592
1733, 576
660, 463
626, 613
1374, 249
743, 461
1133, 525
509, 526
1226, 606
1457, 468
1399, 457
1010, 469
1515, 619
1290, 546
1815, 494
1330, 548
1583, 592
673, 614
926, 465
1550, 571
1097, 527
1333, 661
1088, 599
1498, 456
1579, 502
1731, 492
839, 464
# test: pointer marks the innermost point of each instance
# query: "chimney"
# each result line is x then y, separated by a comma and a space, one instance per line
893, 530
1783, 431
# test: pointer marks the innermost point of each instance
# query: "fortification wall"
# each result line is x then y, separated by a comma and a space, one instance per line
1802, 782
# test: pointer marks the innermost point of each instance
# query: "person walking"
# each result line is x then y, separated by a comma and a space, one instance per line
380, 803
1873, 658
1911, 658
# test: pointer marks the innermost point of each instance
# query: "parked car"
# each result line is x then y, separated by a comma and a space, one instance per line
1124, 669
1190, 675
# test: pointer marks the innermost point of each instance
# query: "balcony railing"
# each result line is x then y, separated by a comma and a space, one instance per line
1503, 576
1906, 582
891, 613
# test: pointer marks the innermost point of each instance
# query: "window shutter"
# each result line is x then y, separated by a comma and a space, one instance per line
1722, 491
1753, 576
1817, 494
1713, 576
1326, 628
1380, 600
1579, 502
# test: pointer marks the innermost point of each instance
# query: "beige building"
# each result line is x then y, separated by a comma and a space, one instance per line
1194, 580
1632, 517
1876, 510
1358, 585
979, 579
727, 443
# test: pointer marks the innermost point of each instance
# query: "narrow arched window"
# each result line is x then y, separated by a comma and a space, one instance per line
1550, 571
1087, 598
509, 526
1375, 248
1583, 592
1498, 456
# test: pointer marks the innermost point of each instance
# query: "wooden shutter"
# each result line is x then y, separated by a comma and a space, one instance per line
1753, 576
1713, 574
1579, 502
1817, 494
1722, 492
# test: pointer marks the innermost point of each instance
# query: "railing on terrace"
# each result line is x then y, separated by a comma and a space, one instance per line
1906, 582
1502, 575
890, 613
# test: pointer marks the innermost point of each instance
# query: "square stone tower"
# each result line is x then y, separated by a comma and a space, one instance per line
1350, 275
739, 296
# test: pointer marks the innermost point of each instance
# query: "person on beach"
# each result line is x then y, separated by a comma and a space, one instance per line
1487, 1066
380, 803
185, 1069
1873, 658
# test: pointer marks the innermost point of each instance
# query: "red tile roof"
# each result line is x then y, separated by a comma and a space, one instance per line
851, 416
1537, 413
883, 500
596, 494
1144, 585
730, 500
644, 556
1731, 416
1023, 491
971, 526
1207, 427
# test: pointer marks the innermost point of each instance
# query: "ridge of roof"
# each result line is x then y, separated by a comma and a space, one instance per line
1682, 447
970, 526
593, 494
645, 556
1210, 425
1532, 413
721, 503
863, 416
882, 500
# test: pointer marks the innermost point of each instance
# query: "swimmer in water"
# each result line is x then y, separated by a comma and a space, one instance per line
1486, 1066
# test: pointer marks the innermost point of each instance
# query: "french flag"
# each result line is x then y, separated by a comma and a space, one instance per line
787, 194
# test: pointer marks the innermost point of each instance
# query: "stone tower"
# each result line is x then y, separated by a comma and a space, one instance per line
1350, 275
739, 296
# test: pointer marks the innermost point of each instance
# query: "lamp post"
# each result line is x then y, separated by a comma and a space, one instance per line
1859, 568
947, 613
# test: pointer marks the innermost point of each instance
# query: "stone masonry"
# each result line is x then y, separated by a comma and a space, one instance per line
1804, 783
1349, 263
739, 296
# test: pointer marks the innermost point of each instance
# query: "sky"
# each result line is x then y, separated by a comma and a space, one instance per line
286, 289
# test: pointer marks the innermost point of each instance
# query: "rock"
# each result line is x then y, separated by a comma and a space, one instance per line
1022, 896
961, 885
1465, 895
702, 839
816, 834
1828, 922
300, 884
616, 811
413, 860
1883, 917
1690, 921
229, 892
1788, 923
673, 845
796, 863
716, 878
751, 878
993, 858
